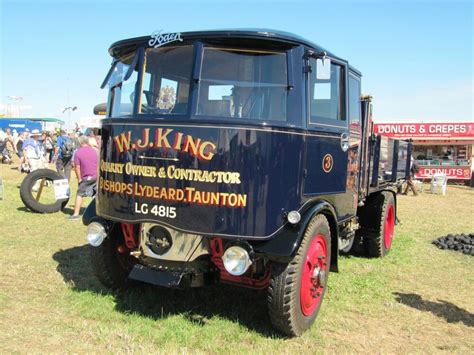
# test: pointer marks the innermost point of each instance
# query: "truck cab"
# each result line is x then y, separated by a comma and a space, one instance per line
239, 156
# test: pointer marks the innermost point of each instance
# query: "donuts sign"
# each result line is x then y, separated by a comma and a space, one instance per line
412, 130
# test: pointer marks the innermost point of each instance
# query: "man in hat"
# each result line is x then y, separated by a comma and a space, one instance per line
32, 150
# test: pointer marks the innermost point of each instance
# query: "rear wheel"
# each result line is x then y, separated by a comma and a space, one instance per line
111, 260
378, 241
297, 289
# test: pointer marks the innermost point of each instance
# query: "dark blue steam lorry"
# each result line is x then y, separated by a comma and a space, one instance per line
243, 157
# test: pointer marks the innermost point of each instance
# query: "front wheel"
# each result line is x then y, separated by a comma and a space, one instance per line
297, 289
111, 261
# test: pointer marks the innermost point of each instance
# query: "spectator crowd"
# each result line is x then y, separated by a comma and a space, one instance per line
62, 150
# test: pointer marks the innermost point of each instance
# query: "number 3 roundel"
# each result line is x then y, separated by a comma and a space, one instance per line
327, 163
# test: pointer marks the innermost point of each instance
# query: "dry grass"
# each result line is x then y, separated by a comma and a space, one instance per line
418, 299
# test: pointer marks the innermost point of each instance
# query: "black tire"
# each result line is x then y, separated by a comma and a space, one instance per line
26, 191
110, 266
287, 288
347, 249
378, 233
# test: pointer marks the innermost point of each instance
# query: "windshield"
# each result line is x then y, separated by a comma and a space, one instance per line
121, 80
237, 83
166, 81
243, 83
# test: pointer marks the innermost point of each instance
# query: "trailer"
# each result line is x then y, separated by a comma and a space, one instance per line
244, 157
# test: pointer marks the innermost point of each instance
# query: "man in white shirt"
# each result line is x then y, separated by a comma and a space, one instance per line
32, 151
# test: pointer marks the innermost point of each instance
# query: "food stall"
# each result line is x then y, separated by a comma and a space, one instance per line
438, 147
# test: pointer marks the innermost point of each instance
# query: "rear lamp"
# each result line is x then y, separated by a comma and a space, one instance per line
95, 234
236, 260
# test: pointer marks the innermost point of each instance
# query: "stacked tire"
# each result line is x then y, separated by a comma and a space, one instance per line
463, 243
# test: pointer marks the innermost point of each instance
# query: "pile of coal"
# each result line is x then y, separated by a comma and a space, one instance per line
463, 243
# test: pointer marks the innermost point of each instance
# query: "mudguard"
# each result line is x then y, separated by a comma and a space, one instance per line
284, 245
90, 214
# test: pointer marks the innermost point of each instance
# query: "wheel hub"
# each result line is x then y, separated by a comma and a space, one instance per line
314, 276
319, 277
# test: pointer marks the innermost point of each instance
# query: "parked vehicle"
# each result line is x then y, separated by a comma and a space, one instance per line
243, 157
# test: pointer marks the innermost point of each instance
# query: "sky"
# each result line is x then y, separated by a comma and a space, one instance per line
416, 56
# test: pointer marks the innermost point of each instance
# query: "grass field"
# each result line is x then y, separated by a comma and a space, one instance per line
417, 299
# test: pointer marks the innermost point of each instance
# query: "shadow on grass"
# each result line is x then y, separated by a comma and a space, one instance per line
198, 306
24, 209
70, 210
443, 309
65, 210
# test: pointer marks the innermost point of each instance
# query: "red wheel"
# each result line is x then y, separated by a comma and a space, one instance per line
389, 226
297, 289
378, 224
313, 279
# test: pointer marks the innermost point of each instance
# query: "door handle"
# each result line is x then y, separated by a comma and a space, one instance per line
344, 142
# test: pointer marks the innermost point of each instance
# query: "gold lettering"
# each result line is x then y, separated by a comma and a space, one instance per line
232, 201
190, 143
242, 200
122, 142
214, 198
177, 141
206, 150
197, 197
206, 197
189, 193
145, 135
162, 138
163, 195
172, 194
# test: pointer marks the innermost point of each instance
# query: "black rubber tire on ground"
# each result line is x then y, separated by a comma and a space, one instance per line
373, 223
285, 289
26, 193
109, 265
347, 250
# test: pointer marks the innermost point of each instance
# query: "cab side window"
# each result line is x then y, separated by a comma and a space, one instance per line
354, 100
327, 99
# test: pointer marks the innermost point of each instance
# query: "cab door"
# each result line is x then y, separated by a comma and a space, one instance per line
328, 134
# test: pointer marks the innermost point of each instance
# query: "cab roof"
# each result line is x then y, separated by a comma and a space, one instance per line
248, 33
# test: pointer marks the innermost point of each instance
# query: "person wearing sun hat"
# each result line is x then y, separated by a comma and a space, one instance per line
32, 150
